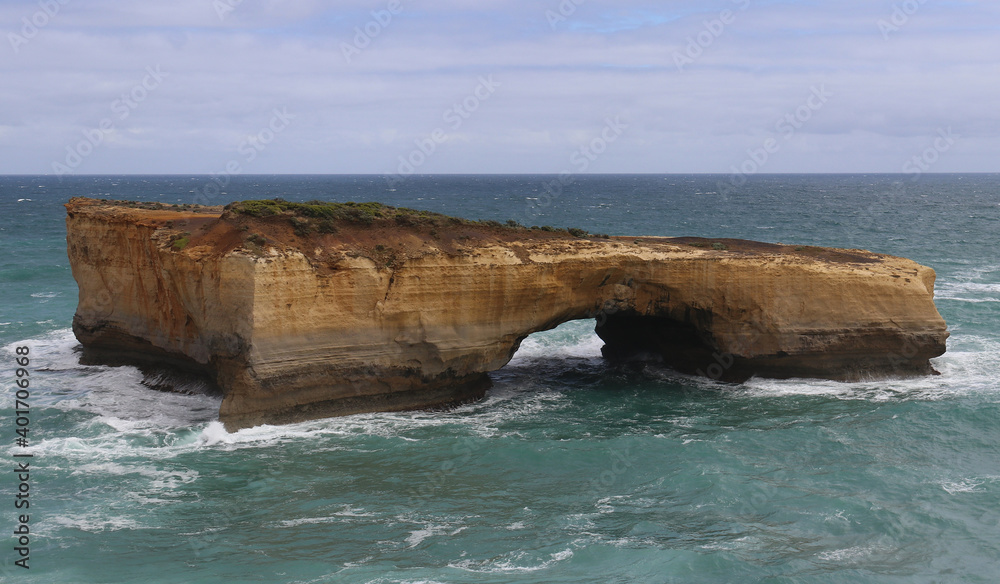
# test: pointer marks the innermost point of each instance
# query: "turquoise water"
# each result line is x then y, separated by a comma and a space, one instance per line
570, 470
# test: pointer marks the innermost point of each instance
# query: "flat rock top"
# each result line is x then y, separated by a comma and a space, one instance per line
388, 234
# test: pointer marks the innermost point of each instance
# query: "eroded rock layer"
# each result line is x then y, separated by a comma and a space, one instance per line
319, 311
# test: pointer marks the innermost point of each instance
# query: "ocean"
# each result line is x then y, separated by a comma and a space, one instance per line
570, 469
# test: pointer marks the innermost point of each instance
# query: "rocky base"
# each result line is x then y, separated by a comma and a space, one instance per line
680, 346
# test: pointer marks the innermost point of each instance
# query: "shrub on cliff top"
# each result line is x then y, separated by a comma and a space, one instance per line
327, 214
302, 227
257, 208
327, 226
350, 211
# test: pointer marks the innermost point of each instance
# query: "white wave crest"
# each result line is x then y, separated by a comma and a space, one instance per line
574, 339
976, 285
517, 562
965, 370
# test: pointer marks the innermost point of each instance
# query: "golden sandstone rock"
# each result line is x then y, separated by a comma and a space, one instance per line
308, 311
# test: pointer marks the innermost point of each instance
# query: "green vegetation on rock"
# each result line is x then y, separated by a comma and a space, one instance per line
323, 216
350, 212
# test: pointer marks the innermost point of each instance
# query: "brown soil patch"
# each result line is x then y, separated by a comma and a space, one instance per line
388, 242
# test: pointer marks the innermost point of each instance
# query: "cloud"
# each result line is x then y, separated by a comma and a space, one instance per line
700, 83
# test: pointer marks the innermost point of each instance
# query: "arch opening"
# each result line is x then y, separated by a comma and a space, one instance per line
630, 337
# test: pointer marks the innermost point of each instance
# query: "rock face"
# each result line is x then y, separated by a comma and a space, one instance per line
368, 308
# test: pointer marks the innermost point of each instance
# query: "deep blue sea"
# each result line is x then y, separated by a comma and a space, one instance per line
570, 470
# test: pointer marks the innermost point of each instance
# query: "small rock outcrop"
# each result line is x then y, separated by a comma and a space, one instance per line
302, 311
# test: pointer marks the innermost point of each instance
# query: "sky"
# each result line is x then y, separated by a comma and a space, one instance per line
491, 86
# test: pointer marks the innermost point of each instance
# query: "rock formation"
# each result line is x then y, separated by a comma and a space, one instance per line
302, 311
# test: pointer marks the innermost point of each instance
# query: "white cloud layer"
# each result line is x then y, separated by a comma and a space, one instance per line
185, 86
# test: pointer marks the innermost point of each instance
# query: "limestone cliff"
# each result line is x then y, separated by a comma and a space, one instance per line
306, 311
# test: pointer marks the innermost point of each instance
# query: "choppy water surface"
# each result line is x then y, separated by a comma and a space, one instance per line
570, 470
